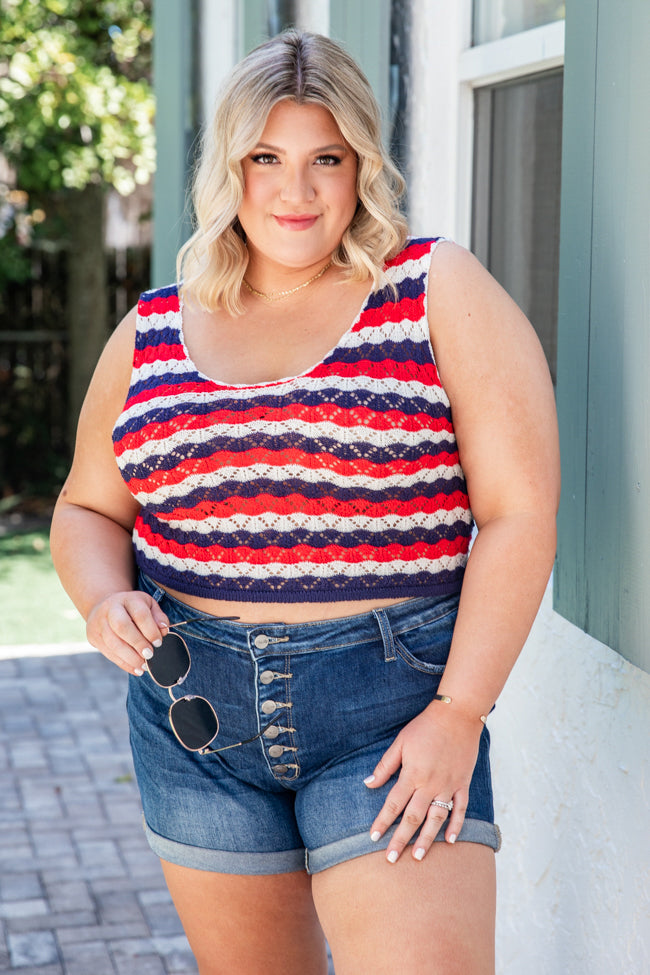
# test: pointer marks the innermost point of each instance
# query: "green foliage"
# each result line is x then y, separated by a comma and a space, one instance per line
76, 103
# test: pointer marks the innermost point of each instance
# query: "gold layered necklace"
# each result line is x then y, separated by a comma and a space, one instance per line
278, 295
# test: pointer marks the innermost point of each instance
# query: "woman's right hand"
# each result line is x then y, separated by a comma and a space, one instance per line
125, 627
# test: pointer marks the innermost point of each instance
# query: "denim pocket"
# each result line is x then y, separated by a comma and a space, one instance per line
425, 647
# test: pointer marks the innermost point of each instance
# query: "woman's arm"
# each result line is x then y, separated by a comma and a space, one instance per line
495, 374
94, 517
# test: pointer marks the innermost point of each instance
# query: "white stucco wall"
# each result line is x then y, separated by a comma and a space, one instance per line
571, 766
439, 120
571, 731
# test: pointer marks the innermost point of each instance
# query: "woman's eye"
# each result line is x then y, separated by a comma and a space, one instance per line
263, 158
328, 160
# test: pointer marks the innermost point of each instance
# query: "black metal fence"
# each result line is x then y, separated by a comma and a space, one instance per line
34, 447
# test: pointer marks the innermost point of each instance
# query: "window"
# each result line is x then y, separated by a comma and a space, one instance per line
494, 19
516, 194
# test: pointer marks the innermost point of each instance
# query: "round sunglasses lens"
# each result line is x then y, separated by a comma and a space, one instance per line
170, 662
194, 722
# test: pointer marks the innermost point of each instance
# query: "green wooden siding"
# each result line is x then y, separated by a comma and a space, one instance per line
363, 27
173, 74
602, 572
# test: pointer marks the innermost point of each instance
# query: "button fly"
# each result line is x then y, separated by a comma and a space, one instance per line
272, 731
280, 769
276, 750
269, 707
267, 675
261, 641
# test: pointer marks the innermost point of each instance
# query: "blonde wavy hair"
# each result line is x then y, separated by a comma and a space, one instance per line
308, 69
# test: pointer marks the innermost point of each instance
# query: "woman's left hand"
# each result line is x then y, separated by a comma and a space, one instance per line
437, 753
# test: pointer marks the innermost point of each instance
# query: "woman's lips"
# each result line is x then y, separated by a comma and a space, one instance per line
296, 222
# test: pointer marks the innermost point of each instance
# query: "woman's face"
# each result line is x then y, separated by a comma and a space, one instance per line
300, 188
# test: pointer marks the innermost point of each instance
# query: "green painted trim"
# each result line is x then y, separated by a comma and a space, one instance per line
618, 472
578, 134
363, 27
253, 24
602, 574
172, 67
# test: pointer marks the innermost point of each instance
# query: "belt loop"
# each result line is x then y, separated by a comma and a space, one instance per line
386, 634
157, 593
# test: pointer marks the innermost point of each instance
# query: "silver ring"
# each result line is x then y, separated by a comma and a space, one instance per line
443, 805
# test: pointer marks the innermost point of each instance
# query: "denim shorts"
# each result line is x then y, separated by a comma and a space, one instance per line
332, 696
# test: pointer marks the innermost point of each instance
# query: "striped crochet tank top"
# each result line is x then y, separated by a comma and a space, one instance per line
341, 483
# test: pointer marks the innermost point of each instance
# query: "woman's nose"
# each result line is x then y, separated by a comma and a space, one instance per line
296, 187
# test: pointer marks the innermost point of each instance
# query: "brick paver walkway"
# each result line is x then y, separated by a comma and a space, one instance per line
80, 891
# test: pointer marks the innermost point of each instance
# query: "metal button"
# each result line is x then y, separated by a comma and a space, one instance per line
269, 707
267, 675
261, 641
272, 731
276, 750
280, 769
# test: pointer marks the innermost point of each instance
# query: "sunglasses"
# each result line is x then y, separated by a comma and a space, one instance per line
193, 719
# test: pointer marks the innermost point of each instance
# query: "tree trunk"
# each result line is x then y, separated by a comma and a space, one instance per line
87, 296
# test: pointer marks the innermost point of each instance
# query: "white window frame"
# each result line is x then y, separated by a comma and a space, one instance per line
530, 52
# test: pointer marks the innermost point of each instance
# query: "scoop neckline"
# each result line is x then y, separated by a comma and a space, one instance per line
271, 382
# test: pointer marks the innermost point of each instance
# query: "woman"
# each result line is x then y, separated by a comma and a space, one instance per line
306, 529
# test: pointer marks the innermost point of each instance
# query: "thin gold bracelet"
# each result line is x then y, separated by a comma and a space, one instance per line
447, 700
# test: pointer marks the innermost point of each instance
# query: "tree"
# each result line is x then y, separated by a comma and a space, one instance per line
76, 116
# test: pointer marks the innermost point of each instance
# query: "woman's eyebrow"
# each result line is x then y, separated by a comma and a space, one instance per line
320, 149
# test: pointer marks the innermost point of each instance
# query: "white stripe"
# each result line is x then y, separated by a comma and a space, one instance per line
318, 570
297, 521
308, 476
405, 389
390, 330
345, 436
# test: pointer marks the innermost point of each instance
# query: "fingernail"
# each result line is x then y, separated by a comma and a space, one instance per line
147, 653
419, 853
452, 838
392, 856
374, 836
368, 780
138, 672
157, 643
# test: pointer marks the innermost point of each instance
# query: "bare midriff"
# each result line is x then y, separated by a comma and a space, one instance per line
255, 613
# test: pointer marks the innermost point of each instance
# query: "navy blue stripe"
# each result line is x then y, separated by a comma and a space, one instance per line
345, 400
410, 453
157, 336
170, 289
229, 491
408, 287
315, 540
404, 351
299, 590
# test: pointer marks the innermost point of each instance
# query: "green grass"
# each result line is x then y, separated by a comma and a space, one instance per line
33, 605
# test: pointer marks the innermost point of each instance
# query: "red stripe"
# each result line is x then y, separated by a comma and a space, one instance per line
177, 390
315, 507
327, 412
411, 253
407, 309
408, 371
274, 555
158, 305
158, 353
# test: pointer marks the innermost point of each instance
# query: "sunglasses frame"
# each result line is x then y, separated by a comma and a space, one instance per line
204, 749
